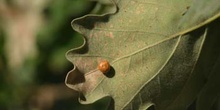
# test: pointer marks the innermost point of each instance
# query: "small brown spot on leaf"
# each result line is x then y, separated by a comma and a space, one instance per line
111, 35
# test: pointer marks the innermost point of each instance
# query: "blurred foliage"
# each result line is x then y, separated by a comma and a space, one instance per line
19, 88
57, 35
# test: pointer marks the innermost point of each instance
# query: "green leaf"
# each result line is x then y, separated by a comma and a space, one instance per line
153, 54
200, 13
202, 71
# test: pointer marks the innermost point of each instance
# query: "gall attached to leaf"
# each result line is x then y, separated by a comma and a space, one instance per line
104, 66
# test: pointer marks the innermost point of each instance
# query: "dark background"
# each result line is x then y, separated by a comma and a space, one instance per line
34, 37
